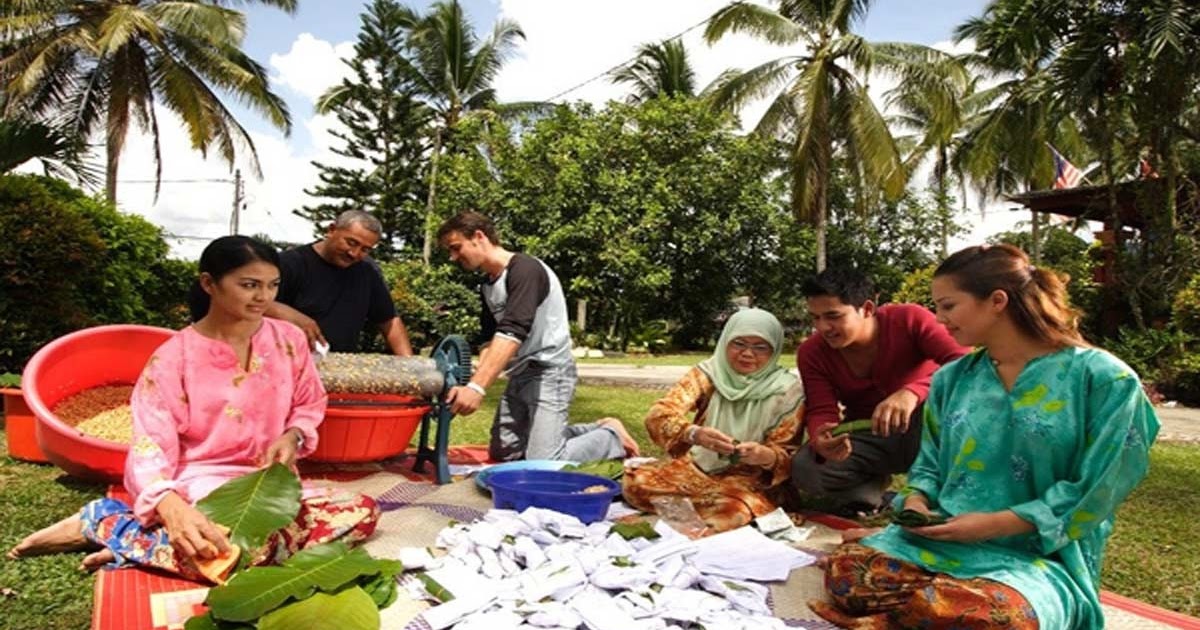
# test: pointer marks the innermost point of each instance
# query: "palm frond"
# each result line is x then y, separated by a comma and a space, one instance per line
1167, 26
733, 90
215, 24
752, 19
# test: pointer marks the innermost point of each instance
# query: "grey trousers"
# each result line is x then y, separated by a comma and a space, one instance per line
531, 420
861, 478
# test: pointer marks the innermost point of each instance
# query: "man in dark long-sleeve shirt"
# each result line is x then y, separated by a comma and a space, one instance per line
876, 363
526, 332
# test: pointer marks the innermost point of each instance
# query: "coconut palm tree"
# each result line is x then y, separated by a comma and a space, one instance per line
819, 96
1006, 146
451, 73
97, 66
934, 128
660, 69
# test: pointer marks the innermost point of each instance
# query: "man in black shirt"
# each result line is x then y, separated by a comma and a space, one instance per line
331, 289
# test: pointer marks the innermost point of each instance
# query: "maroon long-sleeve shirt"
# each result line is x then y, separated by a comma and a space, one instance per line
912, 346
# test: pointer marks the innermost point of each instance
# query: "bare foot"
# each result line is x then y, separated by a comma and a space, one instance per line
858, 533
63, 536
94, 561
631, 446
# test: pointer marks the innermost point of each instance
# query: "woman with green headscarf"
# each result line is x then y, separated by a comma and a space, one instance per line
728, 426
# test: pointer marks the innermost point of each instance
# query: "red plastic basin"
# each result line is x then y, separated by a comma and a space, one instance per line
92, 357
367, 427
20, 428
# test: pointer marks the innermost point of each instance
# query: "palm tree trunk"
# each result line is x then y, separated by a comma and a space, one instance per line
112, 157
427, 247
943, 206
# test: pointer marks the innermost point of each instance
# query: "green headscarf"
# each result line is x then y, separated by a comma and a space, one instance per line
746, 407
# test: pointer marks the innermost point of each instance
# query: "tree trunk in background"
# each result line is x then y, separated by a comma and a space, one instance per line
427, 248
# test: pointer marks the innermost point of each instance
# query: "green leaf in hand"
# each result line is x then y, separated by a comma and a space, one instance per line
254, 506
348, 609
913, 518
854, 426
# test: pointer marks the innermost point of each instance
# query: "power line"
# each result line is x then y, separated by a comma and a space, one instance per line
175, 181
623, 63
189, 237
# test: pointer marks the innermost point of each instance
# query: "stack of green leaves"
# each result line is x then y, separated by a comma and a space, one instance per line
329, 586
607, 468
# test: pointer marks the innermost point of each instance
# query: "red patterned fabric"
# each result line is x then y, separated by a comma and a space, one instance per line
873, 591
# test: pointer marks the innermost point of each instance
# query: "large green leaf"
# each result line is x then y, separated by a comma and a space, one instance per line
208, 622
328, 567
254, 506
350, 609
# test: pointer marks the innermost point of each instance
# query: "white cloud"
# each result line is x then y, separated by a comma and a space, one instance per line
311, 66
568, 42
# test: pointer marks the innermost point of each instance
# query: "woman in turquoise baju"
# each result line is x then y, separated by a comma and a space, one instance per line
1030, 445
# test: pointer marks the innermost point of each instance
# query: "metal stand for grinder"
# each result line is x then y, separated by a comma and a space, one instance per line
453, 358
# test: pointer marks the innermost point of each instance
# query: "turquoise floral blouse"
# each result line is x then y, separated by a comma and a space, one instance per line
1062, 450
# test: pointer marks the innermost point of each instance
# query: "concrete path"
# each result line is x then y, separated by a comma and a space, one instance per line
1179, 424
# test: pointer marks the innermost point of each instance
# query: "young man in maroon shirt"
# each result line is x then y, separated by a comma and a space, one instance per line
863, 361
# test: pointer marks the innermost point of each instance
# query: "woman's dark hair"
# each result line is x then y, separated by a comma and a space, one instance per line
223, 256
1037, 298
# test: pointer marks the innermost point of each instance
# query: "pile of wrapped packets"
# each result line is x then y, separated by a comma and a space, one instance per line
544, 569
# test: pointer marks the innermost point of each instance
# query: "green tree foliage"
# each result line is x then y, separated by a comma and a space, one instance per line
102, 66
48, 248
889, 244
651, 212
915, 288
71, 261
382, 139
433, 300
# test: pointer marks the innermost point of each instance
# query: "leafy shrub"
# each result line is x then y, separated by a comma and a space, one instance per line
1180, 380
1149, 352
433, 301
649, 337
1185, 311
70, 261
914, 289
47, 252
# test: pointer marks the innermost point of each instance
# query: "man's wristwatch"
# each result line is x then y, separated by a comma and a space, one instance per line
476, 387
299, 439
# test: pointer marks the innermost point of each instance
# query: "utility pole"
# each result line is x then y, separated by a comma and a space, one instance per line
238, 195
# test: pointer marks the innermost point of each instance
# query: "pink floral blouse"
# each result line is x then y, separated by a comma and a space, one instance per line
200, 420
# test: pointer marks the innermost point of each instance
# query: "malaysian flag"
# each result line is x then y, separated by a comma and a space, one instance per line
1065, 173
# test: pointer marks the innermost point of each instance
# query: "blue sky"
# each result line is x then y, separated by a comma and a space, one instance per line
567, 41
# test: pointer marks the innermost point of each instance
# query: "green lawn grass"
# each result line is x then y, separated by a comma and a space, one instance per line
1154, 555
591, 403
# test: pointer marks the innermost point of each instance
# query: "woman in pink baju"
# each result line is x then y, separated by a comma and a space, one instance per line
222, 398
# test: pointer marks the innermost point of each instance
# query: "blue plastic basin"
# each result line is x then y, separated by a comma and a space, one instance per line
553, 490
